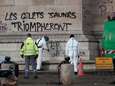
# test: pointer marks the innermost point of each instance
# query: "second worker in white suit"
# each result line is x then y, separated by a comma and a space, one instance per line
42, 44
72, 51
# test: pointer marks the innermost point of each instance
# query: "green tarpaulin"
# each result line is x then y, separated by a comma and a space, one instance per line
108, 41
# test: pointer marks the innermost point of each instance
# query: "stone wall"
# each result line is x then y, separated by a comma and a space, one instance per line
84, 18
55, 18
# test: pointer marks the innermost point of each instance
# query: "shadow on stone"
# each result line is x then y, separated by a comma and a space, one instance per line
55, 83
113, 82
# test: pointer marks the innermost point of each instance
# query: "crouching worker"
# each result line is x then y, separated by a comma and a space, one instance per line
8, 72
29, 51
7, 78
7, 64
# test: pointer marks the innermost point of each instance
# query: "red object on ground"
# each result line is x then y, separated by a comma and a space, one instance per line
80, 69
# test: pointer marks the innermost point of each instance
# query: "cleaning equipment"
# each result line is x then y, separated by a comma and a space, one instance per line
80, 69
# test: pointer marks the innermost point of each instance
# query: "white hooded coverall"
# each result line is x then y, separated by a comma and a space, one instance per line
72, 50
42, 44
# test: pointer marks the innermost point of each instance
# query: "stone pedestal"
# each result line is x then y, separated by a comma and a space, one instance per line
66, 74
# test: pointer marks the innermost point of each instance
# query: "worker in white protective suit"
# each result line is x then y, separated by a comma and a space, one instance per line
42, 45
72, 51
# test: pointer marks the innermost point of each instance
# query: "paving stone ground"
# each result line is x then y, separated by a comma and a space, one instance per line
51, 79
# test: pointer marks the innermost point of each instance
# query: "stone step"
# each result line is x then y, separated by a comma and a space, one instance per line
53, 65
50, 78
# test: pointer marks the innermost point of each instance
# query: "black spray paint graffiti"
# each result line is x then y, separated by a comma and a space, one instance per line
82, 53
39, 15
103, 6
39, 26
71, 15
24, 21
55, 48
25, 15
3, 27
